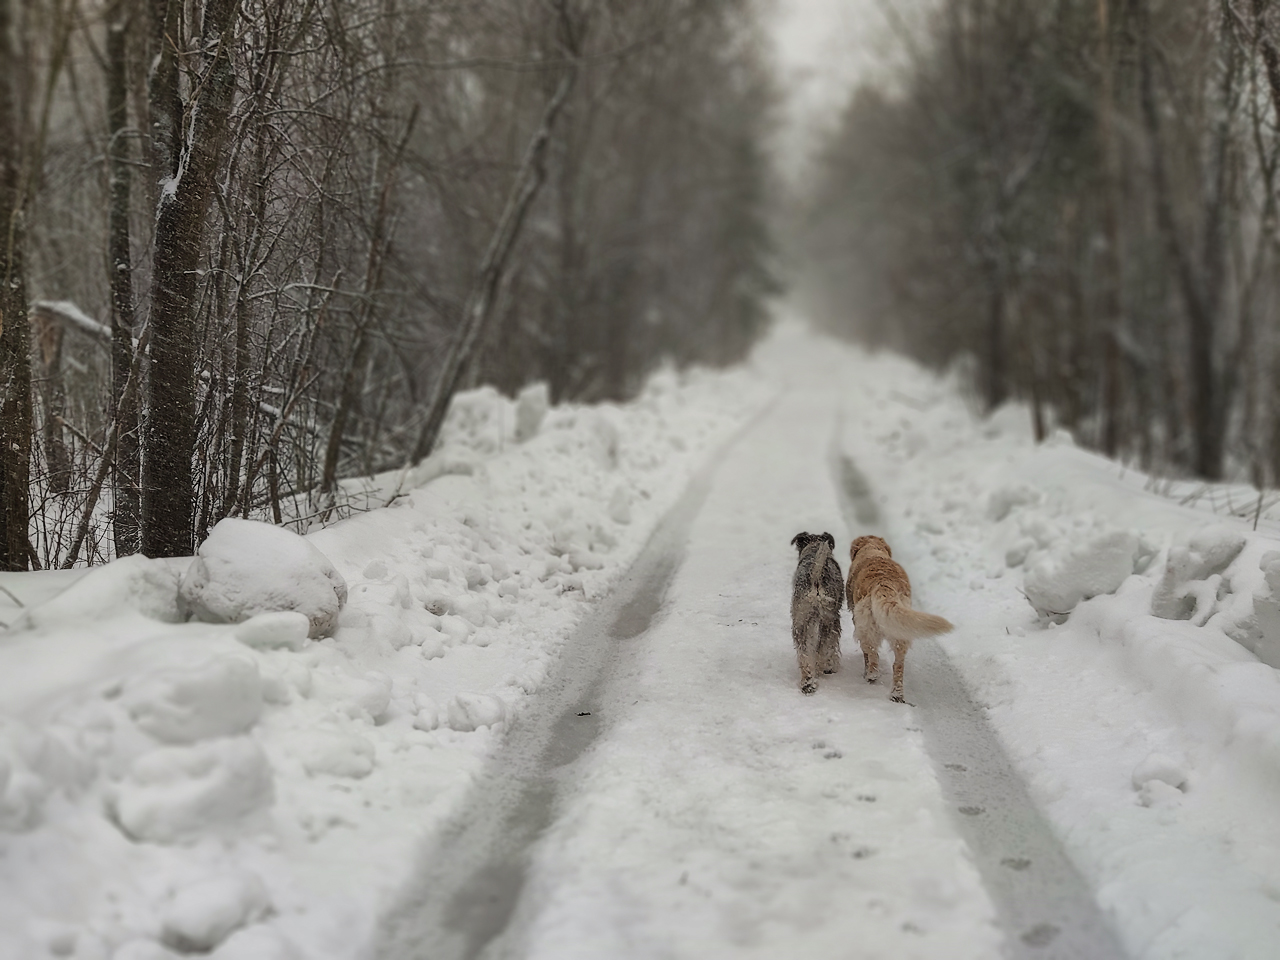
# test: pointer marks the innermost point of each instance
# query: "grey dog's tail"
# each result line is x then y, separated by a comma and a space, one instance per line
819, 566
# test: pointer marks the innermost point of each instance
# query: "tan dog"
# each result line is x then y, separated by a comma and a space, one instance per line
880, 597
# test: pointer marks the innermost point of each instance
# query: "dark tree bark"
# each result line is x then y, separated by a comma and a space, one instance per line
127, 493
15, 359
169, 436
164, 104
1113, 271
1270, 56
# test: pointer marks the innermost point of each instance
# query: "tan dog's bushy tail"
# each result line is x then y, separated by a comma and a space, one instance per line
897, 619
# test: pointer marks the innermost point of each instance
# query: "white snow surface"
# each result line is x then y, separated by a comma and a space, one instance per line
242, 790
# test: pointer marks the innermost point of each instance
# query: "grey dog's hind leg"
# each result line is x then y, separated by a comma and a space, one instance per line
806, 641
829, 646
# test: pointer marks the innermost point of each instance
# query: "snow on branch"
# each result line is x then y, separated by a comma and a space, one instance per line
68, 314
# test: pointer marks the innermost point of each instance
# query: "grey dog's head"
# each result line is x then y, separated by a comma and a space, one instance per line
802, 540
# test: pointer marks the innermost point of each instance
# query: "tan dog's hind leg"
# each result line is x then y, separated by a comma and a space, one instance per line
900, 648
869, 639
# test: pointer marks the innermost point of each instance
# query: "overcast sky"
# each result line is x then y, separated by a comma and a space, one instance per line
822, 48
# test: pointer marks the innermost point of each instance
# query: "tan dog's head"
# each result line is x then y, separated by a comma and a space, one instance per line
875, 544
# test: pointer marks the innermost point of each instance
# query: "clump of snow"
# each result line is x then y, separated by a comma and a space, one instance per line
220, 697
470, 711
1060, 437
334, 753
1010, 420
1159, 766
1059, 579
283, 630
426, 713
1159, 781
1003, 500
481, 420
532, 404
1208, 553
174, 794
204, 913
245, 568
364, 697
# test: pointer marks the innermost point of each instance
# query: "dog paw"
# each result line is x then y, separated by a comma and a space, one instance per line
809, 688
828, 672
871, 678
897, 698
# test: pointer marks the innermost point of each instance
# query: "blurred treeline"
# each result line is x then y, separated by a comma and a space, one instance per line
1080, 196
261, 242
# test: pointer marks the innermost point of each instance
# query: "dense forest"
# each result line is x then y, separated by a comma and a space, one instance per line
1080, 196
252, 247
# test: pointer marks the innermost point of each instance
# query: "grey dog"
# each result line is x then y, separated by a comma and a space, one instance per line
816, 597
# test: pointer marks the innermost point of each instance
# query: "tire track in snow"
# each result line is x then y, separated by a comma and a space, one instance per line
1043, 903
469, 881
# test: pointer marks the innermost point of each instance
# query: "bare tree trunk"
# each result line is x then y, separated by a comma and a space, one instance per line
164, 104
996, 375
1270, 56
53, 398
169, 437
127, 492
1112, 318
15, 360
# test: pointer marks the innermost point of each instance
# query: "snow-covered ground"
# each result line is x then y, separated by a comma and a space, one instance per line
170, 787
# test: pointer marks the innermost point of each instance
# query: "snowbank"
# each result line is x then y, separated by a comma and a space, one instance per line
1115, 638
253, 782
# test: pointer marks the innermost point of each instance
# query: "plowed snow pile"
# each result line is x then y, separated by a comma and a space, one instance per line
228, 785
1124, 647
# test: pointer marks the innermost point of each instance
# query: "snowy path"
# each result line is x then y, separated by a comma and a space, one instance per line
704, 807
479, 763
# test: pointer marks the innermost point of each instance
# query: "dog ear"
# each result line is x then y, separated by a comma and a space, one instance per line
831, 541
800, 540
